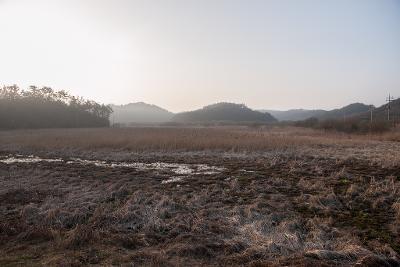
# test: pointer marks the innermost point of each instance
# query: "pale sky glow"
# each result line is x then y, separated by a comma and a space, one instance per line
185, 54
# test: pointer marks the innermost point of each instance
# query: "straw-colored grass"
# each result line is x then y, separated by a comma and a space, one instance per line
168, 139
285, 197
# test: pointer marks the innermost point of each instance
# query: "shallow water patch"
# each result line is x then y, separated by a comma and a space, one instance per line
175, 168
28, 159
172, 180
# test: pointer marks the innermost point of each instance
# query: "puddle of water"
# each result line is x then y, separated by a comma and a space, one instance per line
176, 168
182, 169
97, 163
247, 171
29, 159
208, 170
172, 180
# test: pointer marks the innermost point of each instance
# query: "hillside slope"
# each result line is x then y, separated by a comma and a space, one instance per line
224, 112
303, 114
381, 113
140, 113
346, 111
294, 114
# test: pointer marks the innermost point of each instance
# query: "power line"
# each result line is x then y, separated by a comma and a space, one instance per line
389, 99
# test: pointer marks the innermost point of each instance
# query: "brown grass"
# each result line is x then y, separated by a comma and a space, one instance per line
297, 198
189, 139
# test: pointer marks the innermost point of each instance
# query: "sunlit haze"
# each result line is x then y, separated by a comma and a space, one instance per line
182, 55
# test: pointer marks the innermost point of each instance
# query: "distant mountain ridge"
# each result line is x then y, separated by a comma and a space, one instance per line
140, 112
381, 113
143, 113
346, 111
224, 112
294, 114
303, 114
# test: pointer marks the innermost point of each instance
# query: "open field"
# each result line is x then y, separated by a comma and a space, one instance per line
199, 196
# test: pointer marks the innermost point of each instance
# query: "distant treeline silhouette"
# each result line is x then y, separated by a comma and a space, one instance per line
356, 118
350, 125
46, 108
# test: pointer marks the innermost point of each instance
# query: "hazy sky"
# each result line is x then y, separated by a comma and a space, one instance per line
184, 54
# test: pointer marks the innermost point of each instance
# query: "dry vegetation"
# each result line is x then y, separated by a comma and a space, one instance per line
287, 196
158, 139
184, 139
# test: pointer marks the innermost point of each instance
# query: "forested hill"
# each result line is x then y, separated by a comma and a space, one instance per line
46, 108
346, 111
381, 113
140, 113
303, 114
224, 112
294, 114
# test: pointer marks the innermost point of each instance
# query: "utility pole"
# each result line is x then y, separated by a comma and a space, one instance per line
370, 110
389, 100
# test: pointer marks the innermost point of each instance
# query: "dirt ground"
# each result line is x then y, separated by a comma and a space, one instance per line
320, 204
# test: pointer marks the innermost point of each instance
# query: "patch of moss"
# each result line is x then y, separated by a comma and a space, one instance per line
372, 228
344, 181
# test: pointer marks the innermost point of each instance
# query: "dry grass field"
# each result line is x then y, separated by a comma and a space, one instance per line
227, 196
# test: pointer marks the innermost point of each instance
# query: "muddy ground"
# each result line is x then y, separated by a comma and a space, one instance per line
277, 209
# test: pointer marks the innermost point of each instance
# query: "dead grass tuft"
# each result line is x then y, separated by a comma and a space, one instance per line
287, 197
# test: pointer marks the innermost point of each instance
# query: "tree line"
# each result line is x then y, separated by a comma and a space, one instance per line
46, 108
